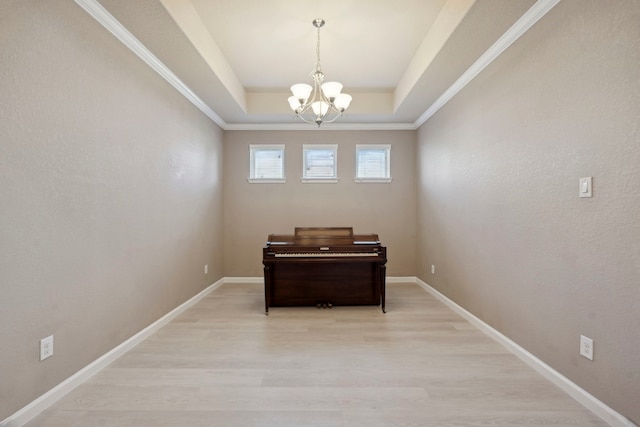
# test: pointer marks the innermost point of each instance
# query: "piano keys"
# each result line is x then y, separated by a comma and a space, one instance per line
324, 267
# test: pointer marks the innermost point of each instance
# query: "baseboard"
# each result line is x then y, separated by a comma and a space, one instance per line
260, 280
607, 414
249, 280
400, 279
34, 408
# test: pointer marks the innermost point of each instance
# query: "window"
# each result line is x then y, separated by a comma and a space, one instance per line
373, 163
319, 163
266, 163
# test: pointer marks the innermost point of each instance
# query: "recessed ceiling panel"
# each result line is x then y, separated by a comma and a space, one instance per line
364, 43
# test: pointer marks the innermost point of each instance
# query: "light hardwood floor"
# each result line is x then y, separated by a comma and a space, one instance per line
224, 363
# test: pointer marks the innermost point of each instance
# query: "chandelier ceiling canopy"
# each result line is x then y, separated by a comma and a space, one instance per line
322, 102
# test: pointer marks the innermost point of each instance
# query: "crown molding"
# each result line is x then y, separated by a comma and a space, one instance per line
526, 21
326, 127
100, 14
108, 21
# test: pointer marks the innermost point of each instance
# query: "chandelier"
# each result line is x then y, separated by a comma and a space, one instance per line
322, 102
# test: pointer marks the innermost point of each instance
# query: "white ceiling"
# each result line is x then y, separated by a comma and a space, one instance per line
399, 59
364, 44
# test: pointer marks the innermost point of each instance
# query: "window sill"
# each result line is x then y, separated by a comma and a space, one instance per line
320, 180
266, 181
372, 180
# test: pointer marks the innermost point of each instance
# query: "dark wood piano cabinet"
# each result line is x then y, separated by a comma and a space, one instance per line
324, 267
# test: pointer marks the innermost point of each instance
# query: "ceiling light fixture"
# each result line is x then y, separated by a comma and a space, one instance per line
322, 102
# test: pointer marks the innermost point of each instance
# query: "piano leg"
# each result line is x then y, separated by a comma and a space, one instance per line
383, 269
267, 289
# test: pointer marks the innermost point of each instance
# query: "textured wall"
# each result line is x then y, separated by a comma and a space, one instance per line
110, 195
498, 208
253, 211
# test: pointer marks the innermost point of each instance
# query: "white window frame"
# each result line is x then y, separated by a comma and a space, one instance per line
253, 149
320, 179
377, 147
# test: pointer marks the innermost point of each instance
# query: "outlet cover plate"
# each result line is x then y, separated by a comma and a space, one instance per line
46, 347
586, 347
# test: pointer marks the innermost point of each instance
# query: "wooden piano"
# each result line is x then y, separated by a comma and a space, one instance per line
324, 267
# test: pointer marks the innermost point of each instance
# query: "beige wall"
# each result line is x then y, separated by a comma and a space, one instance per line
253, 211
499, 213
110, 195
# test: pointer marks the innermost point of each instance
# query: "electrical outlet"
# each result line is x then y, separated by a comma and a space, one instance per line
586, 347
206, 268
46, 347
433, 269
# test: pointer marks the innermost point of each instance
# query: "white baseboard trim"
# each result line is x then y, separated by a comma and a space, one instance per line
607, 414
260, 280
34, 408
400, 279
27, 413
249, 280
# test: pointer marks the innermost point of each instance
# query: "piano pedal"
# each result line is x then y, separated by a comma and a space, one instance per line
329, 305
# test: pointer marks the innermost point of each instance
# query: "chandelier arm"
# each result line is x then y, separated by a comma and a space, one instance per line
338, 115
306, 120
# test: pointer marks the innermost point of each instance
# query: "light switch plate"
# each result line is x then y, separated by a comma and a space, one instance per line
586, 185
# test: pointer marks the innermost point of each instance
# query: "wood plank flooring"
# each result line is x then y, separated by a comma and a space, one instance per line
224, 363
